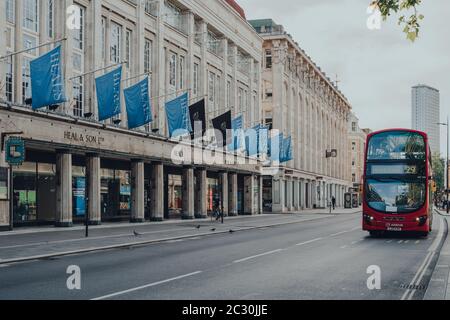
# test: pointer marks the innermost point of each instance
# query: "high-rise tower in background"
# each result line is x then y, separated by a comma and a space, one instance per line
425, 113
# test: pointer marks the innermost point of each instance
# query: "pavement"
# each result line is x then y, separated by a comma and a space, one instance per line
439, 287
25, 244
310, 255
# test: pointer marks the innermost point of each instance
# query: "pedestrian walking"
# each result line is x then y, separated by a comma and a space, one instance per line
333, 202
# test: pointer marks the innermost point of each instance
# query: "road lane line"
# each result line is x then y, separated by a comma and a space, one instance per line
307, 242
416, 275
257, 256
432, 249
418, 241
425, 264
400, 241
421, 275
147, 286
407, 241
339, 233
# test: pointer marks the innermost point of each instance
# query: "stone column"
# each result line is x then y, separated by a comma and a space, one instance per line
157, 192
224, 192
289, 195
160, 70
93, 186
2, 50
94, 50
188, 193
249, 195
137, 191
66, 46
201, 210
63, 188
296, 204
233, 197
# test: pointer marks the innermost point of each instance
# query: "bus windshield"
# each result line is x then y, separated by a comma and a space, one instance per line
397, 145
395, 195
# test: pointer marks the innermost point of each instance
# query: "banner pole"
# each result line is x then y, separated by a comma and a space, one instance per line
30, 49
94, 71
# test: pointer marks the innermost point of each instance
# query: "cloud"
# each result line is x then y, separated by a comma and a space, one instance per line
377, 68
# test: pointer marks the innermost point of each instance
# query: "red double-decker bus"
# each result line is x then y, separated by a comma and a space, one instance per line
398, 186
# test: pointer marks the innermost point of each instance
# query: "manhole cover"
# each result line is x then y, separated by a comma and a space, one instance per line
413, 286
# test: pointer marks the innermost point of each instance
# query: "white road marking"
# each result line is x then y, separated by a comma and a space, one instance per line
339, 233
417, 242
388, 241
406, 241
307, 242
257, 256
85, 239
400, 241
343, 247
409, 294
147, 286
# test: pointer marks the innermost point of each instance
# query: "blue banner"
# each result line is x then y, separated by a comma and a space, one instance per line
108, 94
263, 140
236, 126
275, 147
178, 117
47, 87
286, 152
79, 195
251, 141
137, 101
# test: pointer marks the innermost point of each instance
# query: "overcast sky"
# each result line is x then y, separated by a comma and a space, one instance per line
376, 68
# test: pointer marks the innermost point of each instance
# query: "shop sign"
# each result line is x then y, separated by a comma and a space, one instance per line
83, 138
15, 151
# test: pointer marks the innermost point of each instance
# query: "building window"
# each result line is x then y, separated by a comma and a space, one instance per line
195, 88
128, 46
28, 43
51, 18
78, 34
240, 100
268, 59
77, 62
354, 126
353, 178
173, 70
30, 15
10, 11
229, 97
353, 146
149, 6
26, 80
213, 43
103, 40
173, 16
9, 79
181, 72
147, 56
211, 91
78, 97
218, 93
116, 39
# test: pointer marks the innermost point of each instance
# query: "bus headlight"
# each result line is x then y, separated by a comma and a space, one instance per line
368, 219
421, 220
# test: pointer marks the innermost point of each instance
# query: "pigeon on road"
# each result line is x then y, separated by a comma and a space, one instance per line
136, 234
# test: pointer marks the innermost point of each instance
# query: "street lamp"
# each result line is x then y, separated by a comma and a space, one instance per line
446, 163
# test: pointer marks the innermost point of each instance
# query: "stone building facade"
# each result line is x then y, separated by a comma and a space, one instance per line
203, 47
300, 100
